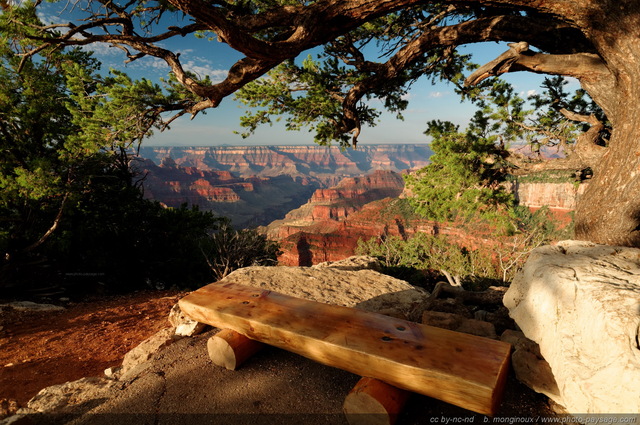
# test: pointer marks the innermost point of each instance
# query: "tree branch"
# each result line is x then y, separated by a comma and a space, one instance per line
483, 29
52, 228
583, 66
585, 153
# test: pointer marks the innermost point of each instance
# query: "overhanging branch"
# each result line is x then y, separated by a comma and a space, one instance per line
583, 66
495, 28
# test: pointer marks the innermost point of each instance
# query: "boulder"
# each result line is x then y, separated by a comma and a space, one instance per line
529, 366
354, 263
145, 351
364, 289
580, 303
183, 324
459, 323
56, 398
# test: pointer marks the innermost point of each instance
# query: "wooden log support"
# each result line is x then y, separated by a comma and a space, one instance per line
231, 349
464, 370
373, 402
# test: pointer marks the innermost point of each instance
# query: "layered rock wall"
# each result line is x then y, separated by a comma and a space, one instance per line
254, 185
329, 164
247, 201
554, 195
329, 226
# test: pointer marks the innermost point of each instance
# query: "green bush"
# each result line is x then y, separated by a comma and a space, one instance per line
426, 252
228, 249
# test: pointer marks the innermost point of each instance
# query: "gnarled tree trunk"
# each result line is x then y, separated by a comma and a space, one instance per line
609, 210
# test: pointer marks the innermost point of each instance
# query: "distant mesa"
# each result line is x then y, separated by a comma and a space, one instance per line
317, 201
254, 185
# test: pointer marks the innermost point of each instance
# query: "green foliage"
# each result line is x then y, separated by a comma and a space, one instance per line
463, 181
474, 268
70, 205
319, 108
533, 230
311, 93
398, 208
554, 98
537, 122
430, 252
128, 241
228, 249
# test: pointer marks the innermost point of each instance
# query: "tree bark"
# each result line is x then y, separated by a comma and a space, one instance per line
609, 210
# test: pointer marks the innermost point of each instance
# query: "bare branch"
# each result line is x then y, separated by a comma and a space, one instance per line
585, 153
583, 66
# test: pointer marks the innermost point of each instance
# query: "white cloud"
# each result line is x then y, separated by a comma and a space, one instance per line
203, 67
196, 64
531, 92
437, 94
49, 19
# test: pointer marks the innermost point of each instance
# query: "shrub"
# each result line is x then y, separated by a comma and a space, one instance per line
428, 252
228, 249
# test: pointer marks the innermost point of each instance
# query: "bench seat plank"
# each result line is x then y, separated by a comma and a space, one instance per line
464, 370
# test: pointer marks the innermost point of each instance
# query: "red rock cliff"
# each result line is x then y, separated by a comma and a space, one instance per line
329, 226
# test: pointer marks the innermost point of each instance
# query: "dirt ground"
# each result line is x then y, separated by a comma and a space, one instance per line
42, 349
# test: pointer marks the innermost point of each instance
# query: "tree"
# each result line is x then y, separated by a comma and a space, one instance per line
228, 249
431, 252
69, 200
595, 41
463, 182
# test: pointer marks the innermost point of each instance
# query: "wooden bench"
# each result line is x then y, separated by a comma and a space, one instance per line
464, 370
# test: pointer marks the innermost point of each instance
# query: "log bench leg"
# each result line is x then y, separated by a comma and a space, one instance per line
230, 349
374, 402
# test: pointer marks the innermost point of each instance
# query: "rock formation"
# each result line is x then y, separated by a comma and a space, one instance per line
254, 185
581, 304
560, 196
328, 227
340, 283
322, 163
248, 201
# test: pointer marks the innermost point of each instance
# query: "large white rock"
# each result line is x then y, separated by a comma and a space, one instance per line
581, 303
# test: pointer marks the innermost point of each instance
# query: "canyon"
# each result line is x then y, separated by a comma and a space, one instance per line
317, 202
255, 185
329, 226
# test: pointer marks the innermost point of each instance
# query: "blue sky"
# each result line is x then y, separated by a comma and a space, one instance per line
426, 101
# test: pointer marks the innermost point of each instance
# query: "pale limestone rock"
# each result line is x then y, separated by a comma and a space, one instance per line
184, 325
581, 303
112, 372
57, 397
146, 349
459, 323
364, 289
355, 263
529, 366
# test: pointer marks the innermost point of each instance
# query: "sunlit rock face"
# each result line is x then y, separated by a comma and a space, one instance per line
327, 164
580, 303
254, 185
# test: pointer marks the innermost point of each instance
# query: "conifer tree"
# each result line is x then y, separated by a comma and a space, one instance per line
67, 192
